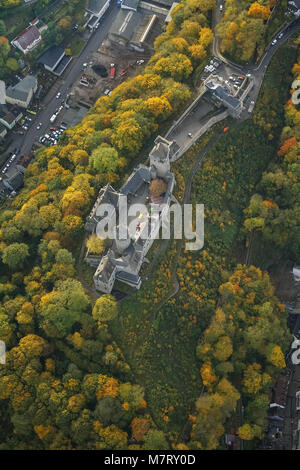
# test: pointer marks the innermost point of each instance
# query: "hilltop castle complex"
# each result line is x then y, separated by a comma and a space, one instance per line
123, 259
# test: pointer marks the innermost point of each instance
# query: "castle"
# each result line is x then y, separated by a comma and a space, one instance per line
124, 257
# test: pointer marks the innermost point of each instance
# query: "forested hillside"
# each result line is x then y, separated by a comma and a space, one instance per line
66, 383
157, 370
242, 27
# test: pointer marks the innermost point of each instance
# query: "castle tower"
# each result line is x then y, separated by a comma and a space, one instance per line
159, 156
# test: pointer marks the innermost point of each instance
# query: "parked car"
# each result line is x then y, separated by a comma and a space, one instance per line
58, 95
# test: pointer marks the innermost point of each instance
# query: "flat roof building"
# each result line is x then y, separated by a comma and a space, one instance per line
74, 115
131, 29
130, 4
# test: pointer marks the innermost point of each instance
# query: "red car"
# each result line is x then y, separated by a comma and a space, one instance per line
112, 71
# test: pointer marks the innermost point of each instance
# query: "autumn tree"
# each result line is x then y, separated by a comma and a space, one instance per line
157, 187
95, 244
105, 309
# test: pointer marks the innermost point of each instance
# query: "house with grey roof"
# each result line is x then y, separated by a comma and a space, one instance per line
126, 251
28, 39
222, 95
11, 181
94, 12
55, 60
9, 115
21, 94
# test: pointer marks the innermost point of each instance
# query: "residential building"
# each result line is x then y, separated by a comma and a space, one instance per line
11, 181
124, 257
21, 94
95, 11
9, 115
55, 60
28, 39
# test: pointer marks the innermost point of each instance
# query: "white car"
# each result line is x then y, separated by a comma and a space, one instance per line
274, 42
39, 126
58, 95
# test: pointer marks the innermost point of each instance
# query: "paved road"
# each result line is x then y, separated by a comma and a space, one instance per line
256, 70
73, 72
63, 85
269, 52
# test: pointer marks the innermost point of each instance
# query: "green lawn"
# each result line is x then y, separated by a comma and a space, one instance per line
77, 46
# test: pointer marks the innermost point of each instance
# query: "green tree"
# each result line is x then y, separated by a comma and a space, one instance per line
15, 254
